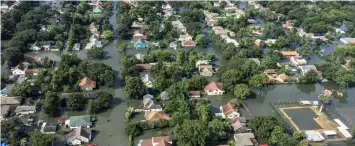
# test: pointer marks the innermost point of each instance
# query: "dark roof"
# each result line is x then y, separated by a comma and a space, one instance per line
49, 127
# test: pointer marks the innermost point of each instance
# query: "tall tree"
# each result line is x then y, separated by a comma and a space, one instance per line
191, 132
203, 109
134, 88
242, 91
75, 101
259, 80
51, 103
39, 139
230, 78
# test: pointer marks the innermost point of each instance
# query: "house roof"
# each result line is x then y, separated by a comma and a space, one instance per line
283, 77
139, 56
194, 93
25, 108
244, 139
48, 127
147, 78
4, 109
76, 121
188, 43
162, 141
84, 132
145, 66
270, 71
289, 53
20, 66
164, 95
153, 116
10, 100
87, 81
214, 86
228, 108
240, 119
148, 103
205, 66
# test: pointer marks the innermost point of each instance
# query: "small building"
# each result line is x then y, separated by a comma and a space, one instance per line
149, 104
78, 136
348, 40
306, 68
238, 126
314, 136
147, 80
79, 121
136, 24
270, 42
76, 47
94, 42
289, 54
270, 71
233, 41
245, 139
205, 70
167, 7
185, 37
277, 78
164, 95
140, 45
87, 84
229, 111
93, 28
345, 133
257, 43
194, 94
288, 24
156, 116
219, 30
140, 56
139, 36
297, 60
20, 69
144, 67
5, 100
48, 128
214, 88
4, 111
157, 141
25, 110
202, 62
188, 43
211, 21
258, 31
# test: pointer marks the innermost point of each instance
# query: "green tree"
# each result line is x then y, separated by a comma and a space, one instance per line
324, 98
200, 39
100, 102
24, 89
303, 142
305, 51
310, 77
276, 134
12, 124
108, 35
96, 53
129, 112
196, 82
180, 57
259, 80
263, 125
230, 78
299, 135
160, 83
75, 101
203, 109
133, 129
51, 103
122, 49
134, 88
190, 132
218, 130
242, 91
39, 139
343, 77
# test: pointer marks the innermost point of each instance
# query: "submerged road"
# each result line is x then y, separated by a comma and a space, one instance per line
111, 124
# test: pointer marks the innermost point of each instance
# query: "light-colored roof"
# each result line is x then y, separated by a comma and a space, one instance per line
289, 53
84, 132
4, 109
10, 100
345, 133
76, 121
147, 78
214, 86
341, 124
153, 116
87, 81
244, 139
330, 132
25, 108
145, 66
314, 136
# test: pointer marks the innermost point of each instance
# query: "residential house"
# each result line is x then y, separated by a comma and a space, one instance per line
4, 111
48, 128
202, 62
140, 56
323, 38
156, 116
252, 21
79, 121
219, 30
239, 124
239, 13
224, 36
338, 30
257, 43
149, 104
277, 78
233, 41
177, 24
94, 28
297, 60
229, 111
258, 31
270, 42
144, 67
188, 43
164, 95
306, 68
211, 21
5, 100
157, 141
147, 80
173, 45
87, 84
289, 54
25, 110
214, 88
76, 47
20, 69
348, 40
78, 136
216, 4
245, 139
230, 33
136, 24
139, 36
94, 42
194, 94
140, 45
35, 47
97, 8
302, 33
166, 7
288, 24
205, 70
185, 37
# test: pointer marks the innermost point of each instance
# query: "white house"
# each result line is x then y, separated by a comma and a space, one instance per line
76, 47
306, 68
233, 41
348, 40
201, 62
79, 136
297, 60
25, 110
228, 110
214, 88
147, 80
140, 56
185, 37
20, 69
94, 42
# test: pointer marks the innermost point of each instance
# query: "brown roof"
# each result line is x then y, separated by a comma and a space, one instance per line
157, 141
87, 81
228, 109
214, 86
289, 53
154, 116
144, 66
10, 100
146, 142
283, 77
161, 139
270, 71
195, 93
188, 43
20, 67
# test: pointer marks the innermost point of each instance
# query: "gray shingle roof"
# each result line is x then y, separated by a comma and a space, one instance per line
76, 121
